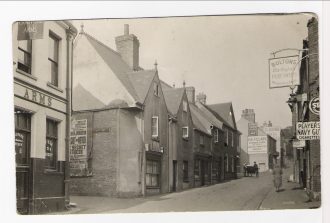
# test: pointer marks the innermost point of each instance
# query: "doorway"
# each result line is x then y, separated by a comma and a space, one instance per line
175, 170
22, 159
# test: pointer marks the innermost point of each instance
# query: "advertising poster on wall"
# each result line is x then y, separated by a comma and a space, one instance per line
257, 144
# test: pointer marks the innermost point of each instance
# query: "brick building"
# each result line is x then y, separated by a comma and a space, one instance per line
307, 169
181, 165
42, 107
119, 146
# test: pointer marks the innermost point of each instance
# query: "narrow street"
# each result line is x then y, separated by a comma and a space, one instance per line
247, 193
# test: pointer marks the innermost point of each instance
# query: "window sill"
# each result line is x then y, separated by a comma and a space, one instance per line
186, 181
155, 138
185, 138
54, 87
26, 74
153, 187
52, 172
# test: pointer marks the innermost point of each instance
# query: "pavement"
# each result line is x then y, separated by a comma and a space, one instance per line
246, 193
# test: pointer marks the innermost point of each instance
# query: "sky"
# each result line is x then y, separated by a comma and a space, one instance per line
225, 57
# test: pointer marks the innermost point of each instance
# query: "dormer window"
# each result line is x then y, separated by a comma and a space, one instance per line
156, 89
216, 135
185, 106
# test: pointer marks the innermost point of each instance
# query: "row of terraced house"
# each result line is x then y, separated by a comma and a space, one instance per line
132, 134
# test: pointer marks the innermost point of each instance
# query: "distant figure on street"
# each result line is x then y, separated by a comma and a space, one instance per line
256, 168
245, 169
277, 172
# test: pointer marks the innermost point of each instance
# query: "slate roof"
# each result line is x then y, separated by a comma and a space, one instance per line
173, 98
222, 110
213, 118
84, 100
141, 81
199, 120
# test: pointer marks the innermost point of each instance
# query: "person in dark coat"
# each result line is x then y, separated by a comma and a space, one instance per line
277, 173
256, 169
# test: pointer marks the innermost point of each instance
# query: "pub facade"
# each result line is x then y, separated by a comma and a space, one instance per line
42, 55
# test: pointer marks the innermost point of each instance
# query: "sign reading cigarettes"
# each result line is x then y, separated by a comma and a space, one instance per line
308, 130
257, 144
284, 72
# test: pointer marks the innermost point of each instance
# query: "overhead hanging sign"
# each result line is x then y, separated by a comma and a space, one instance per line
314, 105
308, 130
284, 72
298, 143
30, 30
257, 144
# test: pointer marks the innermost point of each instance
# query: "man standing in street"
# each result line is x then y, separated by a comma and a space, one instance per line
256, 168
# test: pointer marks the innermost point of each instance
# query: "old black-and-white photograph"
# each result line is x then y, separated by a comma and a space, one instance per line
167, 114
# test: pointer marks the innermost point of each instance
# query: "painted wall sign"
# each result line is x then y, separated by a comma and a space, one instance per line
78, 147
314, 105
39, 97
257, 144
30, 30
298, 143
284, 72
308, 130
253, 129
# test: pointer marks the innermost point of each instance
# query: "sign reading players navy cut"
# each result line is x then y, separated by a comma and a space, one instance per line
314, 105
283, 72
30, 30
308, 130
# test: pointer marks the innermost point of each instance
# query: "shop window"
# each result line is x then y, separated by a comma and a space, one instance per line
22, 137
154, 126
185, 132
53, 54
216, 135
226, 162
24, 56
185, 171
153, 173
51, 144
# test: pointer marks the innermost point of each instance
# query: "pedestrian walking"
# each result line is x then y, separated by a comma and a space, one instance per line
256, 168
277, 172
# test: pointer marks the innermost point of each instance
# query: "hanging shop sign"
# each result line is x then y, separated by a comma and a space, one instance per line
308, 130
314, 105
257, 144
30, 30
298, 143
283, 72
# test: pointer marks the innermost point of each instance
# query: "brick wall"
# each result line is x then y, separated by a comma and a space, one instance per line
314, 92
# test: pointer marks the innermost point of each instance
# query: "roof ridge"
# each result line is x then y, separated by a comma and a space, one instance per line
98, 41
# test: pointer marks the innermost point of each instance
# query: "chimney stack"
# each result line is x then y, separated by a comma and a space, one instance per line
249, 115
201, 97
190, 91
128, 48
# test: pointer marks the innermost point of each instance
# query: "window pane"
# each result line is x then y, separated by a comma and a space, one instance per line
25, 45
148, 180
54, 72
53, 48
149, 167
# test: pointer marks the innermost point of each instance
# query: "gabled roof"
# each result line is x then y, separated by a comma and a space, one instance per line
84, 100
199, 120
173, 98
115, 63
165, 85
141, 81
223, 110
210, 115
